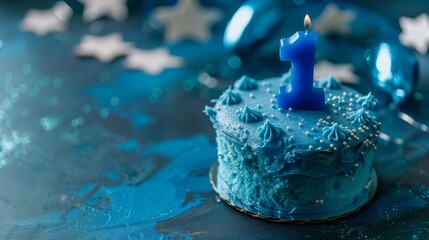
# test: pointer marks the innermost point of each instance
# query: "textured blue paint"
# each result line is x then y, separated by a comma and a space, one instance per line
134, 210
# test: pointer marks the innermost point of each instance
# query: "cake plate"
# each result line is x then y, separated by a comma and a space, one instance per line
315, 218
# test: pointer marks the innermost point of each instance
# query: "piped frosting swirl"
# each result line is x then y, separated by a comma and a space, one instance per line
248, 115
360, 116
229, 97
331, 83
246, 83
269, 132
368, 101
294, 138
335, 133
211, 113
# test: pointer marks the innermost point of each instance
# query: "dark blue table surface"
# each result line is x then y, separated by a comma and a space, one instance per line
95, 151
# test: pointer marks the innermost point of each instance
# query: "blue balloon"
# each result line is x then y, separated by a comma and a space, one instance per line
384, 66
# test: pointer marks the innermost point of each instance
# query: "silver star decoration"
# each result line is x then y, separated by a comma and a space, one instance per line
95, 9
415, 32
187, 20
334, 20
43, 22
343, 72
105, 48
153, 61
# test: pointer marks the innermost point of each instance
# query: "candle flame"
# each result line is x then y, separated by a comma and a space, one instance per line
307, 22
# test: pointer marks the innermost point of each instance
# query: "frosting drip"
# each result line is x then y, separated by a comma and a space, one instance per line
248, 115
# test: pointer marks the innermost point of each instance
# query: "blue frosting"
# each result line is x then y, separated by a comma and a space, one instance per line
360, 116
296, 164
246, 83
331, 83
229, 97
248, 115
368, 101
335, 133
269, 132
211, 113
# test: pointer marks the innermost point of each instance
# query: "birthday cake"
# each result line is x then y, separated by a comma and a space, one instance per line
298, 165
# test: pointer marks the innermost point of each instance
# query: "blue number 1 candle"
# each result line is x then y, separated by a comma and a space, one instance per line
300, 50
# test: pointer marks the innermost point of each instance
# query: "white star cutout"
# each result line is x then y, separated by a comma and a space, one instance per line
95, 9
343, 72
187, 20
43, 22
153, 61
415, 32
105, 48
334, 20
